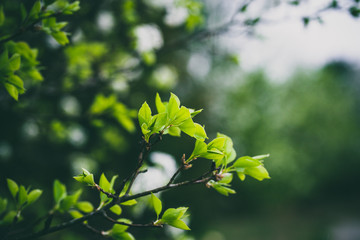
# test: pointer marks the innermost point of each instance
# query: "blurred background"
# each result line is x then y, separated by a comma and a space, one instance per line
278, 77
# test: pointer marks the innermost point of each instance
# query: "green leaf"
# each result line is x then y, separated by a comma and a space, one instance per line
75, 214
84, 206
13, 187
156, 203
2, 15
129, 203
200, 133
70, 201
119, 228
226, 178
178, 224
160, 122
112, 182
60, 37
144, 114
172, 214
259, 173
105, 185
159, 104
173, 107
245, 162
261, 157
22, 196
35, 10
86, 177
194, 113
122, 236
182, 115
188, 127
8, 218
217, 143
17, 82
12, 90
200, 148
174, 131
3, 205
34, 195
14, 62
116, 209
59, 191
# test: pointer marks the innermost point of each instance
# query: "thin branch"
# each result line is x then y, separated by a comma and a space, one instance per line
130, 224
108, 194
94, 230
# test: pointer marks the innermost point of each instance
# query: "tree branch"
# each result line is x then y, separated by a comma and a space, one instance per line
130, 224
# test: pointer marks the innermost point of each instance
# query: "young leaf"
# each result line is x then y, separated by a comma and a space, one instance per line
22, 196
129, 203
181, 116
259, 172
13, 187
3, 205
70, 201
75, 214
34, 195
245, 162
144, 114
173, 107
86, 177
200, 133
156, 202
84, 206
119, 228
60, 37
12, 90
200, 149
172, 214
122, 235
35, 10
105, 185
8, 218
14, 62
188, 127
116, 209
59, 191
159, 104
178, 224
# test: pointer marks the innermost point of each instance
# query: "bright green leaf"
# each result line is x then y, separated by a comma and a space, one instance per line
12, 90
116, 209
173, 107
14, 62
172, 214
156, 203
22, 195
129, 203
86, 177
159, 104
34, 195
84, 206
200, 133
178, 224
188, 127
123, 236
13, 187
75, 214
60, 37
119, 228
59, 190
